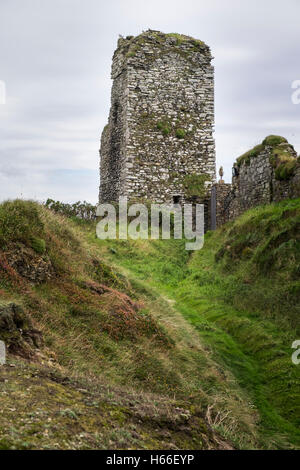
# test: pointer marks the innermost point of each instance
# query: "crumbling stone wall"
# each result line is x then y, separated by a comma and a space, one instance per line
221, 199
160, 127
287, 189
268, 173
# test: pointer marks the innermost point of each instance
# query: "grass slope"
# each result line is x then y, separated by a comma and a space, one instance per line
175, 350
241, 293
140, 363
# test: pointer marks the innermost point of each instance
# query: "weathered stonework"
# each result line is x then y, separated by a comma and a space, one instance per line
268, 173
219, 194
159, 137
160, 127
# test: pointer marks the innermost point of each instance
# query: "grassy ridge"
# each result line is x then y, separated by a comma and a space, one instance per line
208, 334
100, 329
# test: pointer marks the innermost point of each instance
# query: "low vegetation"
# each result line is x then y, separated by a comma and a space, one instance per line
180, 133
181, 38
97, 330
241, 293
167, 128
82, 210
282, 156
164, 127
145, 345
195, 185
133, 44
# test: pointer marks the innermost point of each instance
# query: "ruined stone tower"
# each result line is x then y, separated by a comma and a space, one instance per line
159, 138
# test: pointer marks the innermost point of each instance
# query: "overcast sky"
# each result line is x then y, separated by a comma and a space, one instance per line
55, 58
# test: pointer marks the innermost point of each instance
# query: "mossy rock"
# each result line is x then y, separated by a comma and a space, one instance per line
246, 157
16, 330
166, 127
185, 46
166, 130
280, 147
181, 38
282, 153
274, 140
283, 161
286, 170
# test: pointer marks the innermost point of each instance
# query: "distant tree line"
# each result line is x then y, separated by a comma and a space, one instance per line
83, 210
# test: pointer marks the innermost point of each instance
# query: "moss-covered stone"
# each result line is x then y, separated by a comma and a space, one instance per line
16, 330
195, 185
245, 158
274, 140
286, 170
185, 44
280, 149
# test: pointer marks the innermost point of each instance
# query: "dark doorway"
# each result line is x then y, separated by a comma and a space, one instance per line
177, 199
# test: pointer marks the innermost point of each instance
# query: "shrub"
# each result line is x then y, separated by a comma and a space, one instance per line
180, 133
19, 221
164, 127
82, 210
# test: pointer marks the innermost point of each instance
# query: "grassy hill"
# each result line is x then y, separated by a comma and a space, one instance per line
140, 344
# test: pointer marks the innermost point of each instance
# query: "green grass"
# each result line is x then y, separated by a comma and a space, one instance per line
274, 140
209, 332
100, 325
241, 293
19, 221
165, 127
282, 156
134, 45
285, 170
38, 245
246, 157
180, 133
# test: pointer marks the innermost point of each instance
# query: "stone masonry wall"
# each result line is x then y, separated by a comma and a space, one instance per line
161, 119
261, 178
289, 189
221, 198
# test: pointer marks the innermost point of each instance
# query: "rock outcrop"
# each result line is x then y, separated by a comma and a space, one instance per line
17, 331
